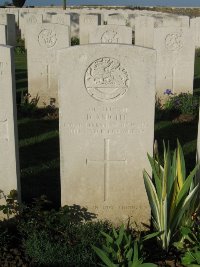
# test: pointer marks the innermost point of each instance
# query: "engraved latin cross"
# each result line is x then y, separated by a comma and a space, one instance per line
106, 162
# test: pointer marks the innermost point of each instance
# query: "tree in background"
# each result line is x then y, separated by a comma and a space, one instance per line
64, 4
18, 3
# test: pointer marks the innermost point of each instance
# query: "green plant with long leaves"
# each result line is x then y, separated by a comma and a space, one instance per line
122, 251
170, 194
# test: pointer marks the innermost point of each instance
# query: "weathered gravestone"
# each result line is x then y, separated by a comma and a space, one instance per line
175, 60
145, 25
195, 28
42, 45
111, 34
3, 39
105, 131
144, 31
9, 160
86, 24
30, 19
116, 19
9, 21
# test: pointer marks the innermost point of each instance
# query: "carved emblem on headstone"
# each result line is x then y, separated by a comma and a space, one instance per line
106, 79
47, 38
174, 41
110, 36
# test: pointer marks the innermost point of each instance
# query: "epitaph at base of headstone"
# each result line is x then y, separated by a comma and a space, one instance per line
9, 159
106, 128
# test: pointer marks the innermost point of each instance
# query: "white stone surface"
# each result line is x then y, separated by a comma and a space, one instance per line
175, 60
195, 28
144, 31
116, 19
3, 38
87, 24
30, 20
111, 34
9, 21
105, 131
9, 160
42, 44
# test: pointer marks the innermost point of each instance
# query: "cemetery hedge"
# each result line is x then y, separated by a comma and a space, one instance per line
44, 235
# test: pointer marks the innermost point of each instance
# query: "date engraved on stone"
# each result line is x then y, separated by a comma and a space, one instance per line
106, 80
110, 36
174, 41
47, 38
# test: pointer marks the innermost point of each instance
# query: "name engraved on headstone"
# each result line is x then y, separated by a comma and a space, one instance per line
110, 36
47, 38
174, 41
106, 120
106, 80
106, 163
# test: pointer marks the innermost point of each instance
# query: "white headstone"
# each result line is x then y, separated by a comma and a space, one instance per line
116, 19
30, 20
195, 28
111, 34
3, 36
42, 45
9, 160
144, 31
175, 60
9, 21
105, 131
86, 23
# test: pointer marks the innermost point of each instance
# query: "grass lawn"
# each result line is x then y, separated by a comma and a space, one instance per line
39, 143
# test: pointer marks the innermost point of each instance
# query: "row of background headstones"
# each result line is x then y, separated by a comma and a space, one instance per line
105, 50
175, 68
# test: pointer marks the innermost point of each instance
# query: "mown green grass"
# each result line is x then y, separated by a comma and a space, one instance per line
39, 143
38, 148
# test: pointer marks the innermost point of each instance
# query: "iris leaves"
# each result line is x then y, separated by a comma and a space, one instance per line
170, 194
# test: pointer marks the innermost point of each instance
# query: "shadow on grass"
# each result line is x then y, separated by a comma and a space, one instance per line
35, 127
44, 183
20, 74
196, 83
39, 160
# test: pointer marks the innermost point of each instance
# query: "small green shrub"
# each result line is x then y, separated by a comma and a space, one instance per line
184, 103
197, 52
28, 106
122, 250
189, 243
75, 41
61, 238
